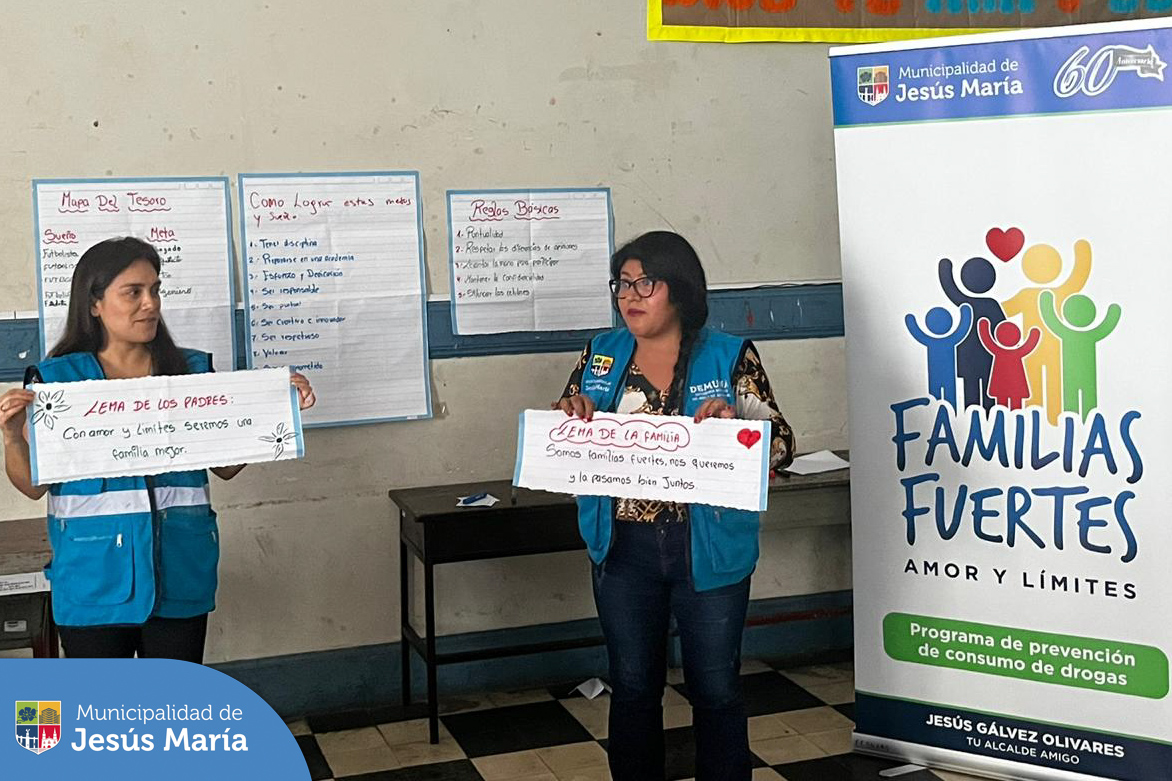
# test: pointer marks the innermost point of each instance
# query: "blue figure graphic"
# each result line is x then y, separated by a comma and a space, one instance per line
973, 361
941, 344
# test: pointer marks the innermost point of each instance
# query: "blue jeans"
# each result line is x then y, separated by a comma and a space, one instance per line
641, 584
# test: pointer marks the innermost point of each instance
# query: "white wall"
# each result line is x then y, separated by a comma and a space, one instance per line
730, 145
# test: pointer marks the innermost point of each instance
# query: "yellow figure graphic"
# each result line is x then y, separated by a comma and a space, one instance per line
1042, 264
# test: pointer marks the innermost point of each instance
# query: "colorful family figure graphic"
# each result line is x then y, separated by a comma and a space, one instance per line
1079, 339
1042, 264
941, 341
973, 361
1007, 377
1053, 366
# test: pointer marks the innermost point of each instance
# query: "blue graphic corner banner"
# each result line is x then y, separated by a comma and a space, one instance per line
1006, 244
140, 718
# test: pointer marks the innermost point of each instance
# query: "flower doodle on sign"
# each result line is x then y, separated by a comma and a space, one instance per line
47, 406
279, 438
608, 432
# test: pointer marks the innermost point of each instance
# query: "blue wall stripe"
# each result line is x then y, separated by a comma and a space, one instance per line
760, 313
20, 345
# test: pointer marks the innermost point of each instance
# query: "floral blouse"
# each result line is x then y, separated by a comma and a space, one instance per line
755, 401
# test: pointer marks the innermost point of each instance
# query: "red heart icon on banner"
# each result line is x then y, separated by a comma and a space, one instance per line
747, 437
1005, 244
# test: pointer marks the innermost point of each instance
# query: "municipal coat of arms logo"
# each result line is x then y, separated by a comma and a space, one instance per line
600, 365
38, 724
874, 84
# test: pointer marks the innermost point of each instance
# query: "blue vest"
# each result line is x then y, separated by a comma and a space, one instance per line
129, 548
724, 547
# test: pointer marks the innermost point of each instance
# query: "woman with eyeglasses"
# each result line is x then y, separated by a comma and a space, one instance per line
653, 560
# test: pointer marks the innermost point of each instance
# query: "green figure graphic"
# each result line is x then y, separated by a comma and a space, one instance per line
1079, 340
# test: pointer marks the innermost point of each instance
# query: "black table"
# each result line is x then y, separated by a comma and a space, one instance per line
24, 549
523, 523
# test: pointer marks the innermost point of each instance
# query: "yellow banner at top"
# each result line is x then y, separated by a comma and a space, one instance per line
864, 21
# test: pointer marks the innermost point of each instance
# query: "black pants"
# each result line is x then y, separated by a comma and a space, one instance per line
643, 583
158, 638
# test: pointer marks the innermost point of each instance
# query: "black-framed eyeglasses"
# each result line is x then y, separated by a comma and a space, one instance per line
643, 287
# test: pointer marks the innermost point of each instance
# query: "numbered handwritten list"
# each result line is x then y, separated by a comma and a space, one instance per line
334, 283
115, 428
187, 220
529, 260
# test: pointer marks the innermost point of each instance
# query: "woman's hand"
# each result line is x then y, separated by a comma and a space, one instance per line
13, 406
575, 406
305, 395
14, 426
715, 408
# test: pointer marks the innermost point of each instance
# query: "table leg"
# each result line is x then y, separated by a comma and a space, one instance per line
45, 645
432, 688
405, 616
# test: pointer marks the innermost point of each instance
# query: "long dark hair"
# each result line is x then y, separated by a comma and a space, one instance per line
98, 267
668, 257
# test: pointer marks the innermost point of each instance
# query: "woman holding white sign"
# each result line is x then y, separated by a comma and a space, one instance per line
134, 558
657, 559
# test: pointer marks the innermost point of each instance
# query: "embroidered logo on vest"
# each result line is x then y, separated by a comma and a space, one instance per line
713, 389
600, 365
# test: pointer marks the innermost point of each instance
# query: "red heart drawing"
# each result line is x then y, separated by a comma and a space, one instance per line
747, 437
1005, 244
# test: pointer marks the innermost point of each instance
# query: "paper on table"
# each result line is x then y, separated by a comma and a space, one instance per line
333, 273
529, 260
116, 428
23, 583
187, 222
813, 463
717, 462
482, 500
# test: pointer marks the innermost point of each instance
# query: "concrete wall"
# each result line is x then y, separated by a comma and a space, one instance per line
730, 145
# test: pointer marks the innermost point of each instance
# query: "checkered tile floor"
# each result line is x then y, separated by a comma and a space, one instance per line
800, 724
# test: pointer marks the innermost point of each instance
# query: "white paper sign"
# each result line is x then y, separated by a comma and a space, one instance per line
187, 221
116, 428
814, 463
334, 287
718, 462
23, 583
530, 260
